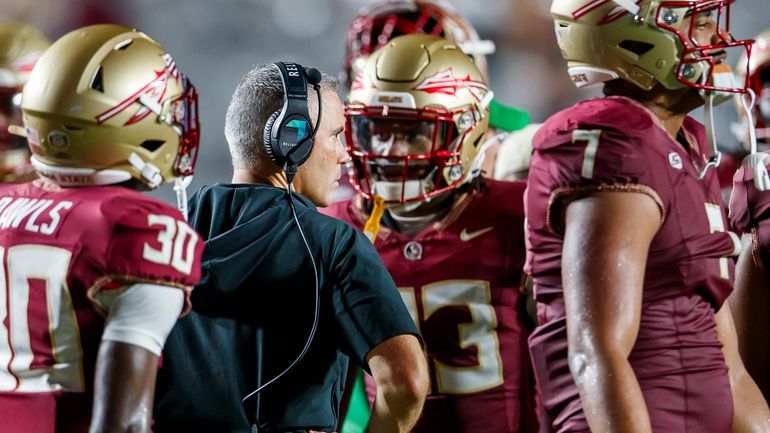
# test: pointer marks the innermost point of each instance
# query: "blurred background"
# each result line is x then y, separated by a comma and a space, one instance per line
215, 42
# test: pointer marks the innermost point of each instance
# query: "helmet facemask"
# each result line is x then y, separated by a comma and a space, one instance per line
703, 66
648, 42
181, 115
406, 155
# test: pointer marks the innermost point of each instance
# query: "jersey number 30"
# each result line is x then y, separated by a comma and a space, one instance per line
177, 244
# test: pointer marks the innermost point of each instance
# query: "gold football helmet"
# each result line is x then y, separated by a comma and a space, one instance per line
416, 115
21, 45
645, 42
106, 104
378, 23
758, 70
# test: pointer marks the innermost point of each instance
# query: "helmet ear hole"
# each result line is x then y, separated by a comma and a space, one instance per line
98, 82
637, 47
152, 145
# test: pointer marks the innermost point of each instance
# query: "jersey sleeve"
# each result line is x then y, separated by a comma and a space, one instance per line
748, 206
367, 305
582, 159
150, 243
749, 212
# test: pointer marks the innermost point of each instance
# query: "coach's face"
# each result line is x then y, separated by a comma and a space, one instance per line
319, 176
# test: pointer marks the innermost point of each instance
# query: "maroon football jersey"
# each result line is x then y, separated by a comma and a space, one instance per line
615, 144
750, 213
459, 278
59, 247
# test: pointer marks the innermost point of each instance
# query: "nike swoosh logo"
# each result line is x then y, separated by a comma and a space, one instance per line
466, 236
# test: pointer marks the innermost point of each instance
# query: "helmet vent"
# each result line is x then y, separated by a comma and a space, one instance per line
123, 44
97, 83
152, 145
636, 47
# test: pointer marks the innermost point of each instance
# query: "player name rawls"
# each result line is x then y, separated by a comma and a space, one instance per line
34, 215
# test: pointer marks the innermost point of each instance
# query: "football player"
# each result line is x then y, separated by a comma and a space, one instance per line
21, 45
628, 243
453, 242
749, 214
94, 273
376, 24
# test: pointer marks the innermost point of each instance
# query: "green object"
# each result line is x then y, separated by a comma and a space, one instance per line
358, 414
507, 118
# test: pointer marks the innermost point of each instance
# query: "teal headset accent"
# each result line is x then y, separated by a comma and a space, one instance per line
289, 134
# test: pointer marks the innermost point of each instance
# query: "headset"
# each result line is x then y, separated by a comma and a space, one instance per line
288, 136
288, 140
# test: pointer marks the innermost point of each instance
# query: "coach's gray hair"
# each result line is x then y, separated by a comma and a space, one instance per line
259, 94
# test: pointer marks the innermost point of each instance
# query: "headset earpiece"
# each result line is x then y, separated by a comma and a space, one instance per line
267, 135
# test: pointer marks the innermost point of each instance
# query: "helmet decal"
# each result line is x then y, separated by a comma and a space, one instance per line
588, 8
155, 90
445, 82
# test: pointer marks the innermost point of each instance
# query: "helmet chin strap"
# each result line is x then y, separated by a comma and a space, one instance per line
721, 76
756, 161
149, 172
180, 188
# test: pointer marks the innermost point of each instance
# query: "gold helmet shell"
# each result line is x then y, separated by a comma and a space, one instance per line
416, 114
106, 104
644, 42
21, 45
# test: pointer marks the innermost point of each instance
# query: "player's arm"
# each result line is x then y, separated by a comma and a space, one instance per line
606, 242
400, 371
750, 303
751, 414
379, 334
138, 321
